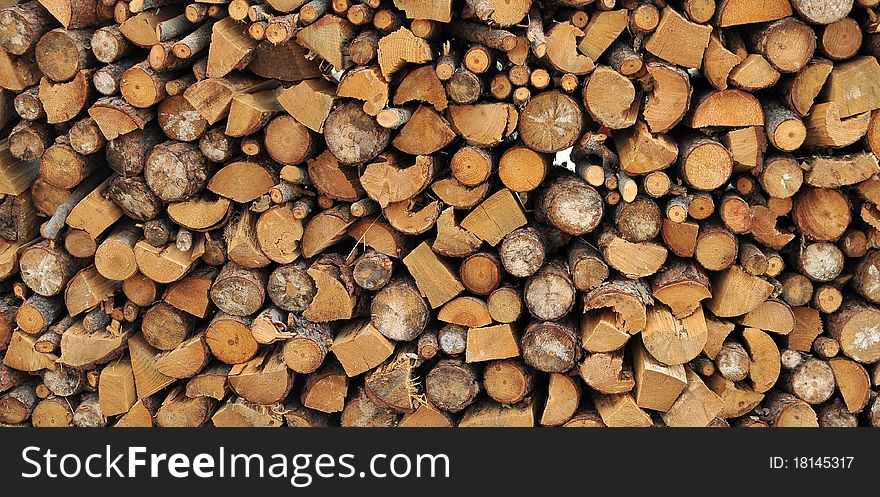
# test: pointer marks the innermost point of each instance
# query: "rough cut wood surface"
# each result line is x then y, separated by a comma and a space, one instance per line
439, 213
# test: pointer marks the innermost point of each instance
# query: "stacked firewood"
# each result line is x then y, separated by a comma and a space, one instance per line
439, 213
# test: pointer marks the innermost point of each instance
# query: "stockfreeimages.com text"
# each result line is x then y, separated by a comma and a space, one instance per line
299, 469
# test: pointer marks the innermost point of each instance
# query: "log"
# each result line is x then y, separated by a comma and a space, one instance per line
853, 383
600, 332
481, 273
783, 409
549, 107
28, 141
697, 405
733, 361
278, 233
392, 385
633, 260
732, 107
298, 416
387, 182
675, 221
772, 315
177, 410
681, 286
705, 164
851, 327
840, 39
116, 388
263, 380
179, 120
242, 245
549, 294
361, 411
52, 413
115, 257
81, 349
230, 340
452, 385
337, 296
325, 390
421, 84
563, 397
571, 205
765, 364
550, 346
606, 373
360, 347
812, 381
46, 269
115, 117
620, 410
674, 347
17, 404
22, 26
175, 171
186, 359
18, 73
507, 381
835, 415
672, 31
37, 313
165, 327
601, 30
824, 13
736, 12
398, 311
211, 382
465, 311
716, 248
736, 292
238, 291
240, 413
491, 343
